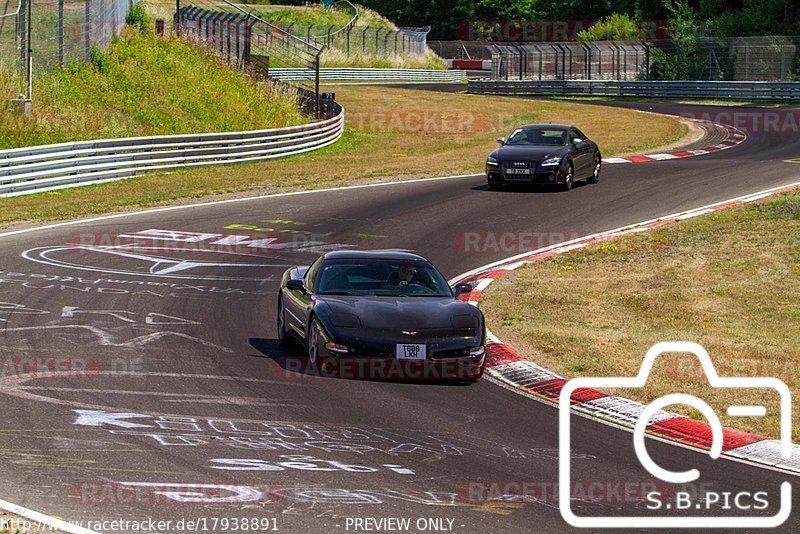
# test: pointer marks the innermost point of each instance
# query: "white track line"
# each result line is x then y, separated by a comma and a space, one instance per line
42, 520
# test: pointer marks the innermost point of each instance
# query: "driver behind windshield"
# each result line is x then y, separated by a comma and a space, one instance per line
403, 277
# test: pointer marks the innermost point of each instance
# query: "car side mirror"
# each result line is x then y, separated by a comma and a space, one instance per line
576, 141
462, 288
501, 140
296, 285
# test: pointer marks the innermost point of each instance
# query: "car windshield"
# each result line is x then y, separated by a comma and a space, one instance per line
382, 278
535, 135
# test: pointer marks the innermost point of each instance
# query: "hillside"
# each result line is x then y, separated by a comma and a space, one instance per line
144, 85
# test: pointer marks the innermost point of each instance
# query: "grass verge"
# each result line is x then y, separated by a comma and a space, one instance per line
391, 134
728, 280
145, 85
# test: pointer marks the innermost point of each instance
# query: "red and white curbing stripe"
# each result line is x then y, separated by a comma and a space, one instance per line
734, 137
506, 365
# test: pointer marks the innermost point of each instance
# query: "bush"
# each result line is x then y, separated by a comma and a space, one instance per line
137, 18
99, 59
616, 27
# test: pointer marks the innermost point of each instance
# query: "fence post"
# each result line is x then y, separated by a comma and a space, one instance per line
23, 32
87, 26
61, 33
348, 40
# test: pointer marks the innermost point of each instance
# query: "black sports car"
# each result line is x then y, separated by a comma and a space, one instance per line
544, 154
381, 314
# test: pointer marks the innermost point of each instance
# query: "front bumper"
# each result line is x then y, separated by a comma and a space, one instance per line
540, 176
379, 364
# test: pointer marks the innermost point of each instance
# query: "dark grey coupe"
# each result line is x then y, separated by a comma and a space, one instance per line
382, 314
553, 154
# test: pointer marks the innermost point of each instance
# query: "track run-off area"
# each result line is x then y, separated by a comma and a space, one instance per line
143, 379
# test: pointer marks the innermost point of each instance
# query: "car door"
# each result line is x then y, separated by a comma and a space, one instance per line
298, 303
581, 152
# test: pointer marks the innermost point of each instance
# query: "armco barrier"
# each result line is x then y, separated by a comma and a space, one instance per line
24, 171
344, 74
772, 91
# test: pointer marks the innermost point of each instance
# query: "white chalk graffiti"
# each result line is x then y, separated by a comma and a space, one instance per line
105, 339
227, 494
283, 437
300, 463
78, 284
171, 254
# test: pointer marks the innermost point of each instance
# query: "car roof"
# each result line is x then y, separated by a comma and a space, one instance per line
373, 255
551, 126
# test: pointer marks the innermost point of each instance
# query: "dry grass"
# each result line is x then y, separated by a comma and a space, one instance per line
391, 134
729, 281
334, 57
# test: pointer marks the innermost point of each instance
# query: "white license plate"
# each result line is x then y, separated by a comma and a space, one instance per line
411, 352
518, 171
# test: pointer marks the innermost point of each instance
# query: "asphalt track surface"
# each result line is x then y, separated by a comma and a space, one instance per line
189, 329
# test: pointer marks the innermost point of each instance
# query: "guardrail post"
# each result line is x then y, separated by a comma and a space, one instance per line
348, 40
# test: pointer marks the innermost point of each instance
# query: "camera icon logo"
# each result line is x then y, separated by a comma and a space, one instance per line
676, 477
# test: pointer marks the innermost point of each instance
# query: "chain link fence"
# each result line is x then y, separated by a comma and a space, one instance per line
57, 32
734, 59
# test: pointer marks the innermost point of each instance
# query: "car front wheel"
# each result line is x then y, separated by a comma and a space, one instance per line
495, 186
595, 177
313, 338
569, 178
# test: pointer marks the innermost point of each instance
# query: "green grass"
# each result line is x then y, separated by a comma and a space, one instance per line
145, 85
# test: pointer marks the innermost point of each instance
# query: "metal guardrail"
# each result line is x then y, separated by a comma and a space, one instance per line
772, 91
348, 74
29, 170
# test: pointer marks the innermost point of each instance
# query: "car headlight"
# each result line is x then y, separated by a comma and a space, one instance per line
551, 162
491, 161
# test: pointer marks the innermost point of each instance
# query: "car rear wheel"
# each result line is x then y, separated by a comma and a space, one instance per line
595, 177
283, 338
569, 178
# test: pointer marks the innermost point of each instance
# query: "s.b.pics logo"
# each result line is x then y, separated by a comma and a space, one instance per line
706, 506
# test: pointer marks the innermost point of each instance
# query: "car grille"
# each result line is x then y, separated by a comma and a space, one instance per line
518, 165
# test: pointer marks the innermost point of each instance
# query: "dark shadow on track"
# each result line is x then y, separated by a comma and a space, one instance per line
519, 188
